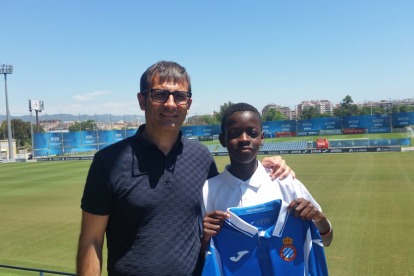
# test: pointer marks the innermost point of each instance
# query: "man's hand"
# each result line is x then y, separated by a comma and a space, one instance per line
278, 166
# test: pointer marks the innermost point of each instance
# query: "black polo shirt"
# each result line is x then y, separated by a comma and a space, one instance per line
153, 202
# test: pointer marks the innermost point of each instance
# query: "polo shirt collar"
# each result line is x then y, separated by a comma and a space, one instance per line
254, 181
147, 144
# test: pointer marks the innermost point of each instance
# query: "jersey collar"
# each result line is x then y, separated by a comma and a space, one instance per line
250, 230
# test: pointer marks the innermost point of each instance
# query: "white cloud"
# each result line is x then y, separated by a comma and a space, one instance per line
89, 96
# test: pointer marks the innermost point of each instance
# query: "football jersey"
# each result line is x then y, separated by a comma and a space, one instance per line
265, 240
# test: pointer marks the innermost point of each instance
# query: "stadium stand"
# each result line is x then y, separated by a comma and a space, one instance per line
213, 148
299, 145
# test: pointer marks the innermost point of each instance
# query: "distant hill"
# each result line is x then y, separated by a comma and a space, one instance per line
105, 118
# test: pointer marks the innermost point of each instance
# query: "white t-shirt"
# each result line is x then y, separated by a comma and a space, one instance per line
225, 190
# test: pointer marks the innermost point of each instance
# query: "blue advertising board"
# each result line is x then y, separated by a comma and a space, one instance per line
379, 130
189, 131
285, 126
89, 137
348, 143
71, 139
308, 125
130, 132
354, 122
40, 140
269, 127
55, 139
207, 130
308, 133
118, 135
105, 137
405, 142
383, 142
330, 123
402, 119
378, 120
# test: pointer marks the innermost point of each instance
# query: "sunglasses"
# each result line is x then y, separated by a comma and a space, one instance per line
161, 96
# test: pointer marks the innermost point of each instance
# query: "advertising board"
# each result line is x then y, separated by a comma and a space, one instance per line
354, 131
308, 125
285, 134
55, 139
379, 130
286, 126
189, 131
329, 123
402, 119
307, 133
378, 120
322, 151
117, 135
330, 132
40, 140
269, 127
354, 122
71, 139
89, 137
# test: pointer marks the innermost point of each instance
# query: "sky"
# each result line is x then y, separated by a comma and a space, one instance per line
87, 57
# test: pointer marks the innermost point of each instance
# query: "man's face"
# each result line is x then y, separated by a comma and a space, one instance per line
164, 116
243, 136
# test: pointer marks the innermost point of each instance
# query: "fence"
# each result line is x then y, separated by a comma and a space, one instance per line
91, 140
378, 123
41, 271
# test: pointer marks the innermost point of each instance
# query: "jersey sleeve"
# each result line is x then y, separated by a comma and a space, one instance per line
212, 262
316, 265
97, 197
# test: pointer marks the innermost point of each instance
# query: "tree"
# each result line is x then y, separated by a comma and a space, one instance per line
403, 108
309, 113
395, 109
219, 115
365, 110
210, 120
272, 114
346, 108
347, 101
323, 115
20, 131
89, 125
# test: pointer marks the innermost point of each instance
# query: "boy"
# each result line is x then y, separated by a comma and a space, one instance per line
245, 182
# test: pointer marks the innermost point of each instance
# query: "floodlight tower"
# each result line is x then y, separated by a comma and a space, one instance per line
8, 69
37, 106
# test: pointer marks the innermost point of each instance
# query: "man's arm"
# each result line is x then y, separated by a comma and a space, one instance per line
305, 210
91, 240
278, 166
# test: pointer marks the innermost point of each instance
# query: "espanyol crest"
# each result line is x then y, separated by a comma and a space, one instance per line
288, 251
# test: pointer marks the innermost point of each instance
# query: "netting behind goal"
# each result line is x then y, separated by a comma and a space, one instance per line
410, 132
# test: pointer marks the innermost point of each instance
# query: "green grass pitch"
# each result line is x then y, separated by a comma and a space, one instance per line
369, 198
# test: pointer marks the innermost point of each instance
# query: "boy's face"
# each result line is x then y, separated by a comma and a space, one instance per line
243, 136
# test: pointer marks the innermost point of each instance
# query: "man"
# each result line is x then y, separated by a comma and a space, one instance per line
145, 192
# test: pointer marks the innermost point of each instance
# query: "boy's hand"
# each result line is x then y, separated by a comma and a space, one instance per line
305, 210
279, 167
212, 223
